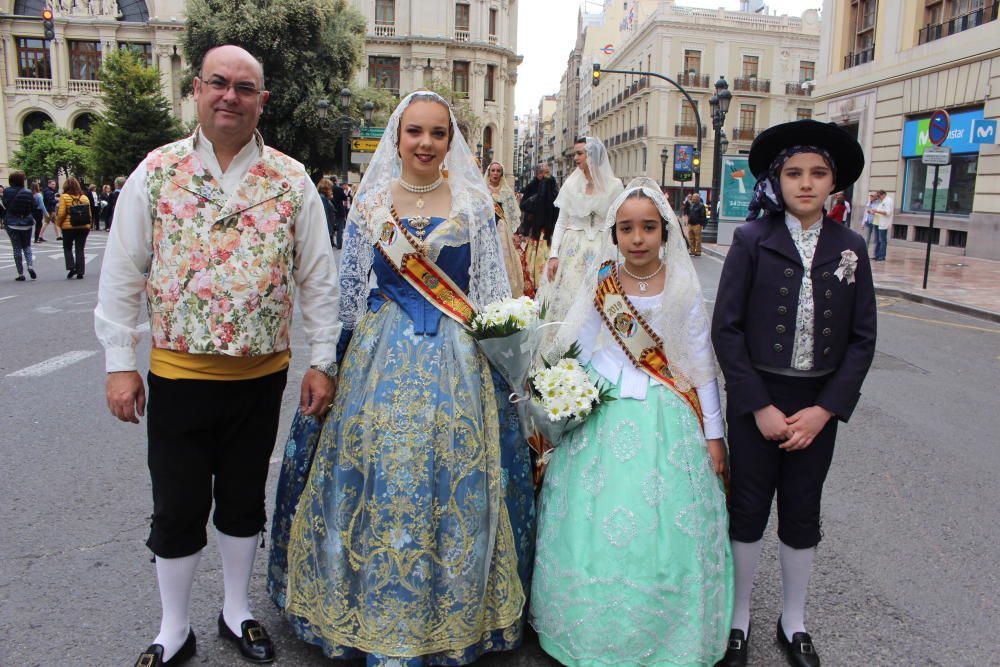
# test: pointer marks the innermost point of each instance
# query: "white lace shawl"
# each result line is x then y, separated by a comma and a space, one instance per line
573, 199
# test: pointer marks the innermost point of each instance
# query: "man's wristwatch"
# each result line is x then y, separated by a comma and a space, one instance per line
329, 370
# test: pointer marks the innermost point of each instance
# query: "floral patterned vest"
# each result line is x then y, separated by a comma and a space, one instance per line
220, 279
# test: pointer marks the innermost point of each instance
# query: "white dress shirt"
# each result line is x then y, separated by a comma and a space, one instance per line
129, 254
610, 361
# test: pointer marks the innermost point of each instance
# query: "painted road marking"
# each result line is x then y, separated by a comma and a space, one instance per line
947, 324
13, 296
53, 364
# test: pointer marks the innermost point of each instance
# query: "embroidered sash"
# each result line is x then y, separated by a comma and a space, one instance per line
636, 338
404, 255
498, 210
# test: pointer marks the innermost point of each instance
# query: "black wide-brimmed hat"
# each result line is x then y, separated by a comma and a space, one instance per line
848, 158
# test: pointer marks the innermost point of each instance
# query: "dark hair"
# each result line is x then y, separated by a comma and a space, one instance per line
16, 179
71, 186
639, 194
580, 140
427, 97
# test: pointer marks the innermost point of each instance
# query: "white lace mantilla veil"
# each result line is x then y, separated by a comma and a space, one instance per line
573, 198
471, 205
681, 318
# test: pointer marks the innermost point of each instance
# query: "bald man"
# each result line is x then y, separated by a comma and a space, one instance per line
219, 232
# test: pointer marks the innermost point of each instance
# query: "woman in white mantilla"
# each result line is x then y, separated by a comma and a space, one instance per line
583, 203
414, 517
508, 217
633, 565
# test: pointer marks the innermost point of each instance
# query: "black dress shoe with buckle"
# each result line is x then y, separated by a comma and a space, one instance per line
800, 651
153, 656
736, 651
253, 641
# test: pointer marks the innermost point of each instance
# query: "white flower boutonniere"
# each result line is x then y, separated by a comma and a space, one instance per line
848, 265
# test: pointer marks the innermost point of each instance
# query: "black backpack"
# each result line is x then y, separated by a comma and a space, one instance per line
79, 215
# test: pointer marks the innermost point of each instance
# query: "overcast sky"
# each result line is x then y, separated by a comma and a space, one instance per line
546, 34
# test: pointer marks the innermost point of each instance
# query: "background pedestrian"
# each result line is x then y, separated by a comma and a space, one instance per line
18, 204
73, 217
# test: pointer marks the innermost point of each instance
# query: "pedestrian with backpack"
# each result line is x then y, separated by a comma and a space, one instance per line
74, 219
17, 205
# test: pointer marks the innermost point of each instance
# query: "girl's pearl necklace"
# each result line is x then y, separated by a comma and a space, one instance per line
421, 189
643, 285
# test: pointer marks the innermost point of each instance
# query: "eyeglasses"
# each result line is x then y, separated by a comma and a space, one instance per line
243, 90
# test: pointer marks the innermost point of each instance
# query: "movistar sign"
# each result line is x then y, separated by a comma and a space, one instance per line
960, 137
984, 131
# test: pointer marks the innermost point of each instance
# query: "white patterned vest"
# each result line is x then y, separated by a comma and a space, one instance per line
220, 280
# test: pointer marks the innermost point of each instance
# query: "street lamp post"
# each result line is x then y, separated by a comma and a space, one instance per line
719, 104
346, 123
664, 156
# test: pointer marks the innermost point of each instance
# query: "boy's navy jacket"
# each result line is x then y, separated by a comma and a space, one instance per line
756, 307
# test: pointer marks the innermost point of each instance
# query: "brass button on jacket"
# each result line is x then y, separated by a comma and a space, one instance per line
826, 351
780, 328
829, 294
826, 275
827, 314
778, 347
784, 291
782, 310
789, 273
827, 331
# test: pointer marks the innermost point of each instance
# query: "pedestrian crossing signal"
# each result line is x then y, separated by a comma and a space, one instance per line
48, 25
597, 75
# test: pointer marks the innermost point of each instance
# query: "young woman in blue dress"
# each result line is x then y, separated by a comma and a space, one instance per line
404, 538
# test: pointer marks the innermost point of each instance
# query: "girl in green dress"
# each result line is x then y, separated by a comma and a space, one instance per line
632, 563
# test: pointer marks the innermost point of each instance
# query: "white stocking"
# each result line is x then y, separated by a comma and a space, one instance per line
175, 577
745, 557
796, 567
237, 566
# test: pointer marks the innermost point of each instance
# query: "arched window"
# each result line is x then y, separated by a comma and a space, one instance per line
83, 122
34, 121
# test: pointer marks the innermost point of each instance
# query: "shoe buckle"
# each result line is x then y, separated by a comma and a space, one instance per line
736, 644
255, 633
806, 648
146, 660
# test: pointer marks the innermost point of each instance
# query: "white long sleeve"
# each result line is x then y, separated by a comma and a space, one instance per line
557, 233
129, 252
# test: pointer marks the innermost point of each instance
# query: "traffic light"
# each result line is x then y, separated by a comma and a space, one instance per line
696, 162
597, 75
48, 24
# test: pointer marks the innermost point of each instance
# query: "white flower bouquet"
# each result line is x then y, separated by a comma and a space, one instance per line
560, 399
505, 332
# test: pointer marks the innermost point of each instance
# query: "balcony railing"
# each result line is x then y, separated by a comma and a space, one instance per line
641, 131
751, 84
493, 40
83, 87
859, 57
688, 130
745, 133
792, 88
461, 35
385, 29
959, 23
25, 85
692, 80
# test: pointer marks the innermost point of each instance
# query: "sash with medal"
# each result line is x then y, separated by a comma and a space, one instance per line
402, 252
635, 337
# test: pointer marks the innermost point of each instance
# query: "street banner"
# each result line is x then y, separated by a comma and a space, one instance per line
736, 187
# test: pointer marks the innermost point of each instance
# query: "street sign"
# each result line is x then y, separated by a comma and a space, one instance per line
364, 145
937, 155
937, 131
372, 132
984, 131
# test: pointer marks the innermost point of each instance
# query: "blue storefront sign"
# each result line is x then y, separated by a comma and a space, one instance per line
961, 139
984, 131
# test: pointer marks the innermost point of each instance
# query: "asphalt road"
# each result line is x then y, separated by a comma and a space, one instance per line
907, 573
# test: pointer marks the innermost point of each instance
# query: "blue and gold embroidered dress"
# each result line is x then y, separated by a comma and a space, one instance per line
411, 543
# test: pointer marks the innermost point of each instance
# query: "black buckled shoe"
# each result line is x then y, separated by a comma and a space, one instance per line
800, 652
253, 641
153, 656
736, 651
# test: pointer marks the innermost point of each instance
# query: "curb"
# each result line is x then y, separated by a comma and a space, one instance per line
916, 297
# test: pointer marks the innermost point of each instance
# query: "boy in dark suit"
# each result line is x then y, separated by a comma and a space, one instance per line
794, 332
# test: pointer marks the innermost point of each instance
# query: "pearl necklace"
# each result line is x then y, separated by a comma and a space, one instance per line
643, 285
420, 189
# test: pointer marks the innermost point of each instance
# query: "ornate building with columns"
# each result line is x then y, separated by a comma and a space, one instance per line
467, 45
55, 80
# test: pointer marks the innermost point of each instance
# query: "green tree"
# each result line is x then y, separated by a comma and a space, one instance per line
137, 116
309, 49
52, 150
